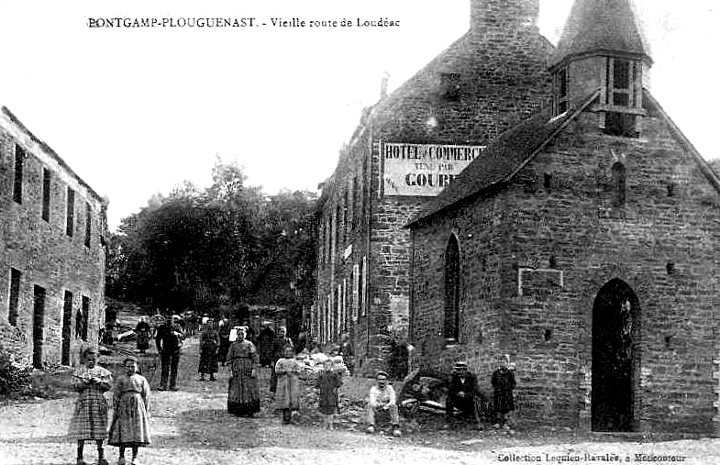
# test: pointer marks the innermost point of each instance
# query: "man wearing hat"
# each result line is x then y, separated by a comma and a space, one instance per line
382, 399
169, 340
462, 393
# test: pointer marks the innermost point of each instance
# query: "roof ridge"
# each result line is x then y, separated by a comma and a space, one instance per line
544, 129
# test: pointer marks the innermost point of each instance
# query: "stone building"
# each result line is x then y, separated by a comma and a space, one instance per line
407, 147
52, 254
584, 244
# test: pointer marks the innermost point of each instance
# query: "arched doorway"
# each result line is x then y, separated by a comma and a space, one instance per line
615, 334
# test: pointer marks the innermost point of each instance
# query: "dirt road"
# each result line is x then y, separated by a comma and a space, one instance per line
191, 426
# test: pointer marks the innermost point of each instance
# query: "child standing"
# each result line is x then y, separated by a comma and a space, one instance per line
328, 383
130, 425
287, 395
503, 382
89, 420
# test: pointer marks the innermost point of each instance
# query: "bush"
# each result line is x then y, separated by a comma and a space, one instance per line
15, 379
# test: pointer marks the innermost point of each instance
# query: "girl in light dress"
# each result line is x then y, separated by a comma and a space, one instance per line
130, 426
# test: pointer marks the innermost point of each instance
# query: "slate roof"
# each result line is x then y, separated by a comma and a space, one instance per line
503, 158
601, 26
14, 119
510, 152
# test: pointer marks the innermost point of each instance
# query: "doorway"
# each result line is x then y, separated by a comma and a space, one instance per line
67, 328
615, 377
38, 326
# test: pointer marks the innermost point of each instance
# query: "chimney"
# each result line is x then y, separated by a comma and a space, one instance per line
383, 85
503, 14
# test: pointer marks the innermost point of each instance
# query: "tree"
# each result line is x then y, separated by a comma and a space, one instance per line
229, 243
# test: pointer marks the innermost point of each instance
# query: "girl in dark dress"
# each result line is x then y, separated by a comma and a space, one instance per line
142, 330
328, 382
503, 382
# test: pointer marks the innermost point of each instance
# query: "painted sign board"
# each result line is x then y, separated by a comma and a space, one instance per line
423, 169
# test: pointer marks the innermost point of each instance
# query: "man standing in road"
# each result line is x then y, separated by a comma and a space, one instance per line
169, 340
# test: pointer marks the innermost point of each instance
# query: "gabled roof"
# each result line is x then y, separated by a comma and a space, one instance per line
503, 158
710, 174
601, 26
510, 152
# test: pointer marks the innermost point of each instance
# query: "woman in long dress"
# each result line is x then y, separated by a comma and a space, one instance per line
209, 342
243, 392
130, 426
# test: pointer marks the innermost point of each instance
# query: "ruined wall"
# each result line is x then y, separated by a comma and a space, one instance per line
43, 252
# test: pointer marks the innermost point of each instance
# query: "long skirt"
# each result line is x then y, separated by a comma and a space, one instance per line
503, 400
130, 425
90, 418
288, 392
243, 396
208, 359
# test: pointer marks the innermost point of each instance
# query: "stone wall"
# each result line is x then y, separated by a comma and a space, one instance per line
559, 216
488, 80
43, 252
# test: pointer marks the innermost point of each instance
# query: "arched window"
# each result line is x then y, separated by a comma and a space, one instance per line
452, 289
618, 174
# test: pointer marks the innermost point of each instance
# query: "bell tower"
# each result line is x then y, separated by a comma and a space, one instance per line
602, 48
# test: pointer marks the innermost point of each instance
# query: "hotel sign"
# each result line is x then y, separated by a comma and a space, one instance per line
423, 169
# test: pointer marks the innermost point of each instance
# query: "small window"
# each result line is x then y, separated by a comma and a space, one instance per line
356, 203
561, 91
47, 178
547, 181
70, 212
338, 227
18, 180
321, 244
14, 296
450, 86
346, 223
618, 172
671, 189
88, 224
621, 74
621, 78
328, 237
86, 316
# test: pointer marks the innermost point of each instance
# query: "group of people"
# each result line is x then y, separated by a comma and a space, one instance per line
129, 427
465, 398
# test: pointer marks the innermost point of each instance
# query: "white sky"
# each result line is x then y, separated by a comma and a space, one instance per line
136, 111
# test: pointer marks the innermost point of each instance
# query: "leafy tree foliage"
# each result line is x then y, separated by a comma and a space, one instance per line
229, 244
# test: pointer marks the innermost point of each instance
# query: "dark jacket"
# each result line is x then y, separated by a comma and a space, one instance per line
468, 387
169, 339
279, 345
